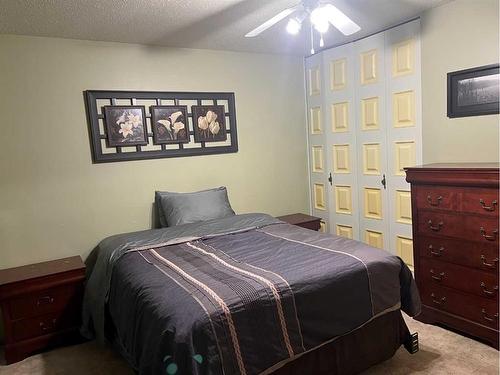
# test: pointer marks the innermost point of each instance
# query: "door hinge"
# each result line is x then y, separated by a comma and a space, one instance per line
330, 179
384, 182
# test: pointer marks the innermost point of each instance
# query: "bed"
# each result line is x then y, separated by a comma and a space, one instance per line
247, 294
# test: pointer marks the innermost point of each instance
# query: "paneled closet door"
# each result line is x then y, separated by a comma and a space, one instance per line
316, 140
371, 148
341, 158
404, 135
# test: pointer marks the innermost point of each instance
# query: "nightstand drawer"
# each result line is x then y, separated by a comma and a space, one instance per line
46, 301
46, 324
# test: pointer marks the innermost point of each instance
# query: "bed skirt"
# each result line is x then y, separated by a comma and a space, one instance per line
355, 352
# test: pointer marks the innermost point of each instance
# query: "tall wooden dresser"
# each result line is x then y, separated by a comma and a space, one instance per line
455, 240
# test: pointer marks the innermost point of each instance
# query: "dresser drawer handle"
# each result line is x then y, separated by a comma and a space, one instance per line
437, 252
45, 327
489, 265
435, 228
437, 277
489, 292
47, 300
488, 208
438, 302
438, 200
486, 316
489, 237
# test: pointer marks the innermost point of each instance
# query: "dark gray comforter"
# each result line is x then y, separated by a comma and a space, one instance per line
239, 295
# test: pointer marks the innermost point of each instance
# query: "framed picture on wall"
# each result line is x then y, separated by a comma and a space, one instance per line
169, 124
474, 92
125, 126
209, 123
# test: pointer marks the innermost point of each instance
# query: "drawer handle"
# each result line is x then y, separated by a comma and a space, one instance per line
45, 327
437, 252
437, 277
435, 204
438, 302
47, 300
489, 265
489, 292
486, 316
489, 237
435, 228
488, 208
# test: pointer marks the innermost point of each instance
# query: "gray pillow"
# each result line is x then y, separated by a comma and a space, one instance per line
184, 208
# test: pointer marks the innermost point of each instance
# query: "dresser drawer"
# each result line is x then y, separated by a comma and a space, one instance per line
45, 324
435, 197
480, 283
46, 301
481, 201
478, 309
482, 256
440, 224
474, 228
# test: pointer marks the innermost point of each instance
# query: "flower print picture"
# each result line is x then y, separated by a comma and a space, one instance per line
209, 123
170, 124
125, 125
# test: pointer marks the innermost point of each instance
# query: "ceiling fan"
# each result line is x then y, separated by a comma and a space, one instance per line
321, 14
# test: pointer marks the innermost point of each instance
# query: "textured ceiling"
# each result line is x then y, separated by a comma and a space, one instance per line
206, 24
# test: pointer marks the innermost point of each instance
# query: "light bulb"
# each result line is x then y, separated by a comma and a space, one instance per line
321, 42
293, 26
319, 20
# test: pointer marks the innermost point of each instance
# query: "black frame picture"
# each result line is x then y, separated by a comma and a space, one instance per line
164, 124
125, 125
474, 92
95, 100
209, 123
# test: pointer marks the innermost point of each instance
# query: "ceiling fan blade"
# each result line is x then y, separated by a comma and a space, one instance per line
270, 22
338, 19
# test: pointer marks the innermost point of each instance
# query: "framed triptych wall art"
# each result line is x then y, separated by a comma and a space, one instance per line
138, 125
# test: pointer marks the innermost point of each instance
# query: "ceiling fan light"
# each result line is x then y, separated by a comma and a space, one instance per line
293, 26
319, 19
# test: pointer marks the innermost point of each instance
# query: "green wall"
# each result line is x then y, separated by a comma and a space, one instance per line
458, 35
54, 202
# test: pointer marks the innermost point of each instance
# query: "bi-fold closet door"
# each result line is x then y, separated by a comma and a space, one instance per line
364, 114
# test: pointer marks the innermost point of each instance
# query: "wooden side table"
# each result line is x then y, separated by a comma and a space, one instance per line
41, 305
302, 220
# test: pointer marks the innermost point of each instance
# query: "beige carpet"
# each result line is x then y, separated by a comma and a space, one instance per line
441, 352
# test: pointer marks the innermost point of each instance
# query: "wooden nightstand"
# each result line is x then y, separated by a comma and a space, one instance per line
41, 305
302, 220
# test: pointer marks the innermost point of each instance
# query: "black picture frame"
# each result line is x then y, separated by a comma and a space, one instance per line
120, 131
94, 100
163, 134
207, 132
473, 92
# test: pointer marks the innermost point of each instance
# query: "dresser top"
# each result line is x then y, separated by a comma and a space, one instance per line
457, 166
32, 271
